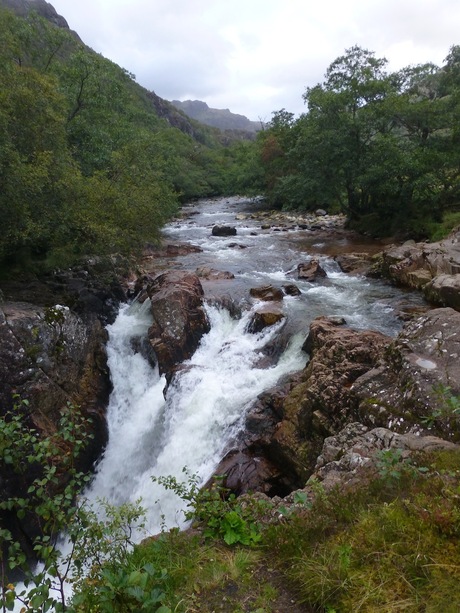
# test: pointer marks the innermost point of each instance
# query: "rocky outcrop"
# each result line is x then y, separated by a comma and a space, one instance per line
179, 318
311, 271
44, 9
357, 450
52, 357
433, 268
418, 373
353, 376
94, 288
52, 361
217, 118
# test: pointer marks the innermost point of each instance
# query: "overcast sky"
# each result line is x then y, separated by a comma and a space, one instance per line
256, 56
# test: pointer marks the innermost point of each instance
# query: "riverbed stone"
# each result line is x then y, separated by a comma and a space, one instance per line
179, 318
310, 271
264, 317
267, 293
291, 289
357, 263
211, 274
224, 231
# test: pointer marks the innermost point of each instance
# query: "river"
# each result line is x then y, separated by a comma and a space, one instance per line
206, 402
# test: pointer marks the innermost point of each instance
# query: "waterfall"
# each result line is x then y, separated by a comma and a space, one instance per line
204, 407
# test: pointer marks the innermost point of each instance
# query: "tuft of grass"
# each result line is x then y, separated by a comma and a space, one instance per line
450, 220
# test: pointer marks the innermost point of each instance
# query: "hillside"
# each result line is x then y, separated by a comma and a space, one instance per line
92, 162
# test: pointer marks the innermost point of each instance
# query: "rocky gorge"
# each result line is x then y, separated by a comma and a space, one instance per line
360, 391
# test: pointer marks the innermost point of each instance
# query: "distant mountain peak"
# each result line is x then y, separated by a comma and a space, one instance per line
223, 119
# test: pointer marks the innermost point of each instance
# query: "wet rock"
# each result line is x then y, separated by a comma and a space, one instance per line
177, 249
385, 388
288, 424
310, 271
211, 274
223, 231
249, 467
247, 472
290, 289
354, 262
263, 317
179, 318
267, 293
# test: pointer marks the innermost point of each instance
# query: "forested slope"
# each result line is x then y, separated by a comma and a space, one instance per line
90, 162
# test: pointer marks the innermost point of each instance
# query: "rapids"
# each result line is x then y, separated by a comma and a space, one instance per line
206, 402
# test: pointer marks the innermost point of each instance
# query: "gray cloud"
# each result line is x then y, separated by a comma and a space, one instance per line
256, 56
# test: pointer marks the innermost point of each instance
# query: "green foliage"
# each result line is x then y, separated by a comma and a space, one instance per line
94, 556
86, 164
446, 414
221, 514
379, 548
379, 146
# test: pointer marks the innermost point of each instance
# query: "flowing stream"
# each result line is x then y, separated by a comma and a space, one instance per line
206, 402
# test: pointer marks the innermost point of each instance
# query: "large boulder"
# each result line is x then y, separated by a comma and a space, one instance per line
445, 290
179, 317
433, 268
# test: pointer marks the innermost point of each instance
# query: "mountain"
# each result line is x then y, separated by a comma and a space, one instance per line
44, 9
217, 118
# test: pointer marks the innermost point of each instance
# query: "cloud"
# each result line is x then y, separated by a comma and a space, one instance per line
256, 56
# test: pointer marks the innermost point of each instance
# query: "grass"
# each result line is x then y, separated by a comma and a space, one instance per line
450, 221
390, 546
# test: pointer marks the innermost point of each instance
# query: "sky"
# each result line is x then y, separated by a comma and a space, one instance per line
255, 57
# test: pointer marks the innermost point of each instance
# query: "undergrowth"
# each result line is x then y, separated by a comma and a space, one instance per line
392, 545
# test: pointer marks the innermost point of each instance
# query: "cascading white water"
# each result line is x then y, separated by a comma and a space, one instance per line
205, 405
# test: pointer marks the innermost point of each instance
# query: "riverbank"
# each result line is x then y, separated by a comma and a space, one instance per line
362, 392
